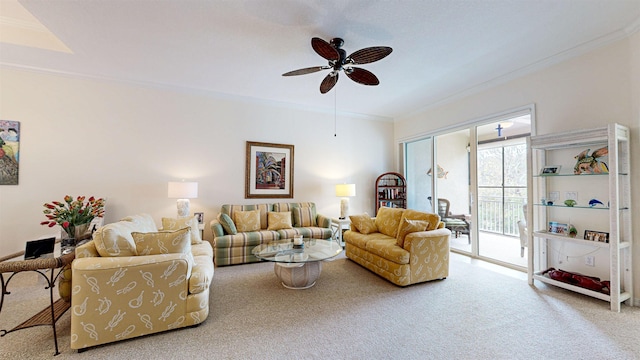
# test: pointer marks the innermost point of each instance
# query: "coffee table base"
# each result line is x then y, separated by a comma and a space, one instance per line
298, 276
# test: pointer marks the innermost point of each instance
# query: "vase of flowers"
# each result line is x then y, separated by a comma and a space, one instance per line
74, 216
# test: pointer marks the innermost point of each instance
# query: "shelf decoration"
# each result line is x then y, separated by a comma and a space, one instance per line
558, 228
550, 170
591, 164
594, 202
596, 236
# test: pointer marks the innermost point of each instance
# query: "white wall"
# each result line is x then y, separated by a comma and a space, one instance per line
125, 142
588, 91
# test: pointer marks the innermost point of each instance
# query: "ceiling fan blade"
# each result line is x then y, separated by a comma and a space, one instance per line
325, 49
370, 54
304, 71
329, 82
362, 76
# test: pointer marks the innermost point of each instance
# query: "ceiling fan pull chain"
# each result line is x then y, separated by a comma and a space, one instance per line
335, 113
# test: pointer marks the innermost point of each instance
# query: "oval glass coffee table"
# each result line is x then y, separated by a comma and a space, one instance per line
297, 268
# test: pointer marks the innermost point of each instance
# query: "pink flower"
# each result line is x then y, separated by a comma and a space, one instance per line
65, 224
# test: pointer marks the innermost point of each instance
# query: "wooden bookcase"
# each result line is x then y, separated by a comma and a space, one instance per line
391, 191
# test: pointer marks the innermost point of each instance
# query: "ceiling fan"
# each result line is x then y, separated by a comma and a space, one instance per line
338, 60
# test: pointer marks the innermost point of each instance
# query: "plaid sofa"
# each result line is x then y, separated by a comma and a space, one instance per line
232, 249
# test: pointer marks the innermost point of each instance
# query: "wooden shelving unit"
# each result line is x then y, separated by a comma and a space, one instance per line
576, 254
391, 191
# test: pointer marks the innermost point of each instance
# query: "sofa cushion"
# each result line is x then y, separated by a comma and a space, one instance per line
304, 217
388, 249
360, 240
177, 224
242, 240
433, 219
163, 242
264, 210
144, 222
227, 224
114, 240
291, 206
312, 232
279, 220
388, 220
247, 220
364, 223
409, 226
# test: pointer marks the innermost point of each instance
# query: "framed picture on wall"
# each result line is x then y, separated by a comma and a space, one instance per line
269, 170
9, 152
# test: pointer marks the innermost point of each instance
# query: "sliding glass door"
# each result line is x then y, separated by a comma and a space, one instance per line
475, 178
453, 182
419, 156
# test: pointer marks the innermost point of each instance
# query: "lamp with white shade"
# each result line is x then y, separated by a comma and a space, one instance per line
345, 191
183, 191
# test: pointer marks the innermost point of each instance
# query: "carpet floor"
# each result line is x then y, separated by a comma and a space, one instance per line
476, 313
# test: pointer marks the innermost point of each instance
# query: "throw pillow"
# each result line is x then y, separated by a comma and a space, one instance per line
177, 224
433, 219
388, 220
227, 224
364, 223
304, 217
279, 220
247, 220
409, 226
163, 242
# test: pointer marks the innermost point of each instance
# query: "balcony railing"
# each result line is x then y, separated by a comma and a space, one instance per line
498, 216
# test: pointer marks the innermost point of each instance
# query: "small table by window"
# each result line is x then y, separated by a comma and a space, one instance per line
338, 226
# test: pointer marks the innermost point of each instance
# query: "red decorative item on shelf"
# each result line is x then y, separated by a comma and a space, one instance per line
584, 281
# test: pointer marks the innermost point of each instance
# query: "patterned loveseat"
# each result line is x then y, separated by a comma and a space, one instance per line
240, 228
132, 280
403, 246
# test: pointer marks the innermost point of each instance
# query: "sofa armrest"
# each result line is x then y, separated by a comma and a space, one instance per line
116, 298
323, 221
430, 250
216, 228
87, 250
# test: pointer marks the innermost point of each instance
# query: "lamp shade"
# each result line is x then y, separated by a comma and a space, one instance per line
182, 190
345, 190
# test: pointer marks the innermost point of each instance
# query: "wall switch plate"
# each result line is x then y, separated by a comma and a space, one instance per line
571, 195
590, 260
554, 196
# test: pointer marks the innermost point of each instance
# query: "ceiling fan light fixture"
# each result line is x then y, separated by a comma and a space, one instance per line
338, 60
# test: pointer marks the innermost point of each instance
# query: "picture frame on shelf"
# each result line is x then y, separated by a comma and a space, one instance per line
550, 170
269, 170
199, 216
558, 228
599, 236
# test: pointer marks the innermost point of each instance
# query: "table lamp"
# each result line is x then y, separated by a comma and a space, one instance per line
345, 191
183, 191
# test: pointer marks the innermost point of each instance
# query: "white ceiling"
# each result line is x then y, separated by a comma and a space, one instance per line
442, 49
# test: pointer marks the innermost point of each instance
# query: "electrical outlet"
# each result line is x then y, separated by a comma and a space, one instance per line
554, 195
571, 195
590, 260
